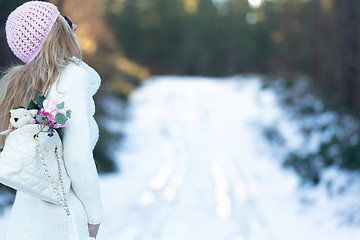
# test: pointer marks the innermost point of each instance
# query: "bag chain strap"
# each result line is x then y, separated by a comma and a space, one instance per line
62, 199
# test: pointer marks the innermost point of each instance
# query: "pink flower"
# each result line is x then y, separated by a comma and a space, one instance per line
50, 105
50, 110
50, 120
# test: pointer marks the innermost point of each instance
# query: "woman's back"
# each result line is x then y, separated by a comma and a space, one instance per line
51, 68
36, 219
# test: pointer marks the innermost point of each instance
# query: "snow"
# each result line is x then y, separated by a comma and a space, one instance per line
195, 165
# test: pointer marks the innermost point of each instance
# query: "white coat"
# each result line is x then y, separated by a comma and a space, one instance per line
34, 219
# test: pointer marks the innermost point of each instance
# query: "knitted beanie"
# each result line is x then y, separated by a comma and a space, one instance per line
28, 26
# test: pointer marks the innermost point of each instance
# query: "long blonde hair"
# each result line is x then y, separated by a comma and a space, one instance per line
19, 82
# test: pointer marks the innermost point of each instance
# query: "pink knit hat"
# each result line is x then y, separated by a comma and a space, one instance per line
28, 26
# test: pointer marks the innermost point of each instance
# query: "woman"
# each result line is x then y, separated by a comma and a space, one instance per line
45, 41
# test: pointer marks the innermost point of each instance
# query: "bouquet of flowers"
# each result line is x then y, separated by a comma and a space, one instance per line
51, 114
48, 114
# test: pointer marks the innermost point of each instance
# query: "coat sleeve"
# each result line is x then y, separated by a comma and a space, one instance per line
78, 156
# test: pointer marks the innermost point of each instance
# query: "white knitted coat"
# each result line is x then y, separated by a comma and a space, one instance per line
34, 219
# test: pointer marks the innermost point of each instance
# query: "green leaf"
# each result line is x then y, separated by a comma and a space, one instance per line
41, 117
68, 113
33, 105
17, 108
38, 92
60, 105
40, 100
60, 118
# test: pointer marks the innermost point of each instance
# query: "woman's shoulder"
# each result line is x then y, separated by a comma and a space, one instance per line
75, 69
78, 74
74, 74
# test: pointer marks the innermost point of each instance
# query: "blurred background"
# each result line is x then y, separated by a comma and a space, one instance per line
221, 113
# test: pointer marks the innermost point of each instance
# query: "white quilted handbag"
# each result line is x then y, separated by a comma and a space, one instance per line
32, 162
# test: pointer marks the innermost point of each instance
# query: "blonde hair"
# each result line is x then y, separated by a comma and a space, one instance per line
20, 82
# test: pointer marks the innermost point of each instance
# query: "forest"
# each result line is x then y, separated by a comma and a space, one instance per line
284, 40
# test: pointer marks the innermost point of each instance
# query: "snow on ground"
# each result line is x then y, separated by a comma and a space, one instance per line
195, 166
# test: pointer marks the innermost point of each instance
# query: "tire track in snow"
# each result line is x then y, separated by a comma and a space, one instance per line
255, 227
157, 202
204, 177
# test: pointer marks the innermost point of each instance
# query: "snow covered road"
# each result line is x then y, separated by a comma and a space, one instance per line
195, 167
181, 156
